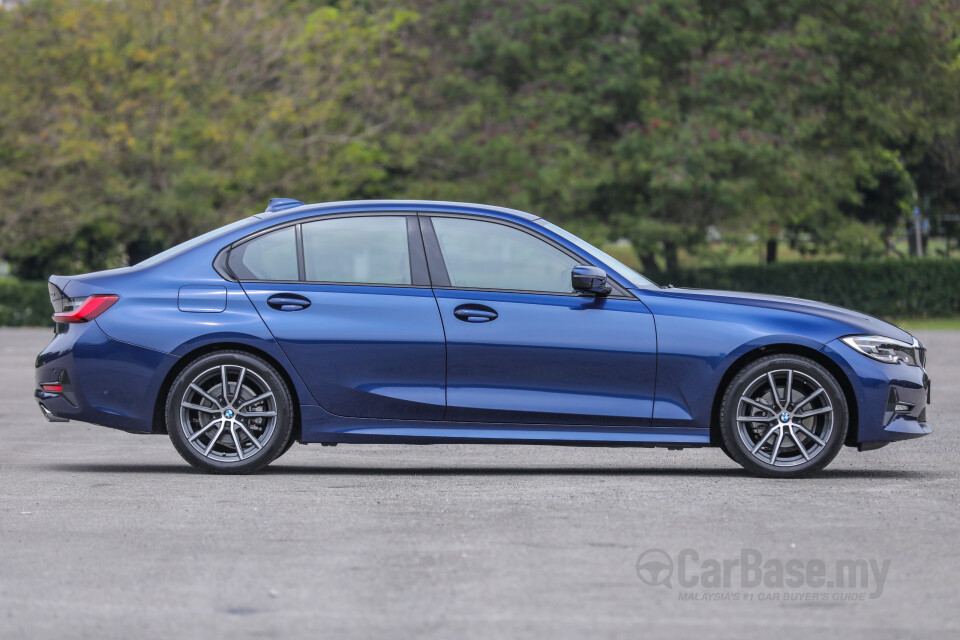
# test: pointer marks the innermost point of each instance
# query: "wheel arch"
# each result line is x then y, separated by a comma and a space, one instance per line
159, 422
787, 349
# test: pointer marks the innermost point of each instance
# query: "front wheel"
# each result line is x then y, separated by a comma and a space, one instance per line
783, 416
229, 412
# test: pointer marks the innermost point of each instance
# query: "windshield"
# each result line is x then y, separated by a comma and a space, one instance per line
629, 274
193, 242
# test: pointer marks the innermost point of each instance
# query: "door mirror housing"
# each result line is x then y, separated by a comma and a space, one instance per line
591, 281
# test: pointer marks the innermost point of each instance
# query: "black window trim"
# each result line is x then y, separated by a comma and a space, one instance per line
439, 275
419, 272
301, 264
441, 278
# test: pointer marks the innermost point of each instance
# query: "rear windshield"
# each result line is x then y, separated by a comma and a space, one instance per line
194, 242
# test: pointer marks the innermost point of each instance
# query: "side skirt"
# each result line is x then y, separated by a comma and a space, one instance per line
322, 427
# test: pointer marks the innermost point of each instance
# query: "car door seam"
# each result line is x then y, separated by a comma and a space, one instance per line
316, 401
443, 327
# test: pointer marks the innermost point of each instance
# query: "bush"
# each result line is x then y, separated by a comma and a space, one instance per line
24, 303
884, 288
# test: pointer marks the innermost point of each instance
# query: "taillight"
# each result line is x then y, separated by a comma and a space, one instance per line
88, 309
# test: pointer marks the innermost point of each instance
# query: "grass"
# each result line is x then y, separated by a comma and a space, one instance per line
928, 324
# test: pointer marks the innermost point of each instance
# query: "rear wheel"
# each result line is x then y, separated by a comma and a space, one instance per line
783, 416
230, 412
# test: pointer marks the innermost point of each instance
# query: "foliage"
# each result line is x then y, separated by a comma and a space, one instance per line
127, 126
883, 288
24, 304
675, 115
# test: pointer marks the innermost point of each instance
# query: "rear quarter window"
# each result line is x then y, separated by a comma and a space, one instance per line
272, 256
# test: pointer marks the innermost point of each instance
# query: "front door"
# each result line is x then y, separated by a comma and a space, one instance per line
522, 346
348, 300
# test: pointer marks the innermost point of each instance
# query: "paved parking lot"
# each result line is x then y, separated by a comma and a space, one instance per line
104, 534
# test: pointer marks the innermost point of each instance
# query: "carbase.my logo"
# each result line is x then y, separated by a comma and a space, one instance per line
860, 577
654, 567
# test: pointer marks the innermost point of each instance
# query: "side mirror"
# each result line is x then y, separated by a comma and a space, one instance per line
590, 281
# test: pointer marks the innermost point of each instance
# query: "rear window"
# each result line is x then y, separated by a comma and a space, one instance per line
357, 250
195, 242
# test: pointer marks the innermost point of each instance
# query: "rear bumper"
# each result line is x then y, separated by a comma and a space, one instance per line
891, 398
104, 381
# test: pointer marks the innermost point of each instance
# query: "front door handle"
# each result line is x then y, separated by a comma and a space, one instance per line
288, 302
475, 313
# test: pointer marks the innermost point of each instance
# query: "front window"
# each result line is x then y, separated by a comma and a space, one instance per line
487, 255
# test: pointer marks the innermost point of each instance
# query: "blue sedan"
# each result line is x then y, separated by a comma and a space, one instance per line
435, 322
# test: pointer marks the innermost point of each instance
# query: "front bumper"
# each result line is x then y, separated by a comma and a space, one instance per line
906, 410
891, 399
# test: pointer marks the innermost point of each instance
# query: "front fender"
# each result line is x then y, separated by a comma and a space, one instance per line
690, 374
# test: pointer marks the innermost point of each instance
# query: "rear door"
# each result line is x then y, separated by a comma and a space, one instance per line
348, 299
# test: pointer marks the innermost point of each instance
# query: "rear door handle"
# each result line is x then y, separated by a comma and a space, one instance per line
475, 313
288, 302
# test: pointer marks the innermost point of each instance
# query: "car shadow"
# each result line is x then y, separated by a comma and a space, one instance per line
319, 470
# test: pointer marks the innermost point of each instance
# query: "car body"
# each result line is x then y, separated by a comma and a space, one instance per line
470, 333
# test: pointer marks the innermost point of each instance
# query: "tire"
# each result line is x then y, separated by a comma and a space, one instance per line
723, 447
783, 436
290, 442
241, 433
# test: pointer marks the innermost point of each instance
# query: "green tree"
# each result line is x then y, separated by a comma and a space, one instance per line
668, 116
128, 126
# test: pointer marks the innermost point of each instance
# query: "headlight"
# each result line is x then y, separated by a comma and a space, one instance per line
887, 349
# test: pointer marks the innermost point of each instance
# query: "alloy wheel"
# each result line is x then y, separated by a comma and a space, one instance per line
228, 413
785, 418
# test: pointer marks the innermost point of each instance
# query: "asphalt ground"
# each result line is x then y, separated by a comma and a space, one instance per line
104, 534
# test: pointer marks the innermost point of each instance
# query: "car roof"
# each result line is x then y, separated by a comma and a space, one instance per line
390, 205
